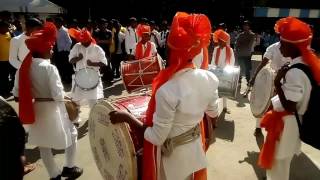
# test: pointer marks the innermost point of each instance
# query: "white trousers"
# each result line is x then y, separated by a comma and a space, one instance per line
49, 162
280, 169
258, 120
91, 103
224, 102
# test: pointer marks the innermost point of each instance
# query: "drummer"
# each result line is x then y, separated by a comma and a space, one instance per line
145, 48
86, 54
293, 96
274, 55
223, 56
181, 95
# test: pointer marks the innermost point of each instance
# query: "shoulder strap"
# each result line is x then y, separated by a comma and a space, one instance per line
306, 70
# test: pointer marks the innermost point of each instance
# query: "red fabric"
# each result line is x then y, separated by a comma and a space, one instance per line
273, 123
40, 41
189, 33
228, 55
82, 36
142, 29
139, 50
299, 33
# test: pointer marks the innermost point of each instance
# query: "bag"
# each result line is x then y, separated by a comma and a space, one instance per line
73, 110
309, 128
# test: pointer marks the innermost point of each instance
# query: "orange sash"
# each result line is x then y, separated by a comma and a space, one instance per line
139, 51
228, 55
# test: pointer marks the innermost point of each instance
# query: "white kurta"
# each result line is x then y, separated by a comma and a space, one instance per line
274, 55
18, 50
156, 35
95, 54
131, 39
222, 57
181, 103
297, 88
52, 127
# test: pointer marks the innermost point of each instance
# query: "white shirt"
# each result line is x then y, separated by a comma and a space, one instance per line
121, 37
274, 55
131, 39
52, 127
181, 104
95, 54
144, 47
163, 38
296, 88
156, 35
222, 57
18, 50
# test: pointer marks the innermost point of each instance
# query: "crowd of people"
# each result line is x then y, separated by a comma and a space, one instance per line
36, 62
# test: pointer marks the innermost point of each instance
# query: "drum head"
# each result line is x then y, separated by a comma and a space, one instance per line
87, 79
262, 92
111, 145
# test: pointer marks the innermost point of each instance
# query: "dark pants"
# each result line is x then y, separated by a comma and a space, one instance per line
64, 67
4, 78
115, 62
245, 66
12, 139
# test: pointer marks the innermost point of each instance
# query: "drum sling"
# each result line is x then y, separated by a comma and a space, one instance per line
184, 138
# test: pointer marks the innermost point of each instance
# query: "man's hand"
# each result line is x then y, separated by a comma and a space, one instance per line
80, 56
252, 80
119, 117
90, 63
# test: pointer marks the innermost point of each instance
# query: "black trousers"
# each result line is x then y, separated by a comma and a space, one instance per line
245, 66
64, 67
115, 62
4, 78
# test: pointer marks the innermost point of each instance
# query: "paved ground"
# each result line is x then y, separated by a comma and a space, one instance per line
232, 157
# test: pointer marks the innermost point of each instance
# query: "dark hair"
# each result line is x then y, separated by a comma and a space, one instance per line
58, 20
33, 22
246, 22
4, 24
133, 19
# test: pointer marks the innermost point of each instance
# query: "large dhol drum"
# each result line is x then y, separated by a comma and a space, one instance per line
139, 74
116, 147
262, 92
87, 79
228, 80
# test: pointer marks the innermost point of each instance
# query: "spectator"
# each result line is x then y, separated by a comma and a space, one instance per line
131, 37
5, 38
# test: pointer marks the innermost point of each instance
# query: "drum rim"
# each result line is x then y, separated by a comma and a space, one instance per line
134, 61
259, 115
86, 89
125, 131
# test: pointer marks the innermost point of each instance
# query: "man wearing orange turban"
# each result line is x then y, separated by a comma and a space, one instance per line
181, 94
223, 55
293, 89
144, 48
40, 92
86, 54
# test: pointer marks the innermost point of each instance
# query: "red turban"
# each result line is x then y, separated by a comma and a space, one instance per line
222, 35
40, 42
299, 33
142, 29
82, 36
189, 34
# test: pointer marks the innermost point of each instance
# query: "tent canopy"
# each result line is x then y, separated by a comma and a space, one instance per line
30, 6
284, 12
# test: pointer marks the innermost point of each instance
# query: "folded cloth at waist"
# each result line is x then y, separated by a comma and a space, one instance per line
184, 138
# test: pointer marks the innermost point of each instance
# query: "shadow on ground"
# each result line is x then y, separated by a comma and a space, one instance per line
225, 128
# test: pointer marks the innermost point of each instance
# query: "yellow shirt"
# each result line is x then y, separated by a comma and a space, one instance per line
112, 47
4, 46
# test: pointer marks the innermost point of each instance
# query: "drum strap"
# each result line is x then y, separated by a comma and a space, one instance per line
185, 138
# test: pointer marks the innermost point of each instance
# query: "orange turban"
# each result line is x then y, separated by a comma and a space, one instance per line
40, 42
297, 32
82, 36
142, 29
189, 34
222, 35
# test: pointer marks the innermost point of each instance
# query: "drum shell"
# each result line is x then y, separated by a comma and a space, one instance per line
139, 74
228, 80
129, 138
